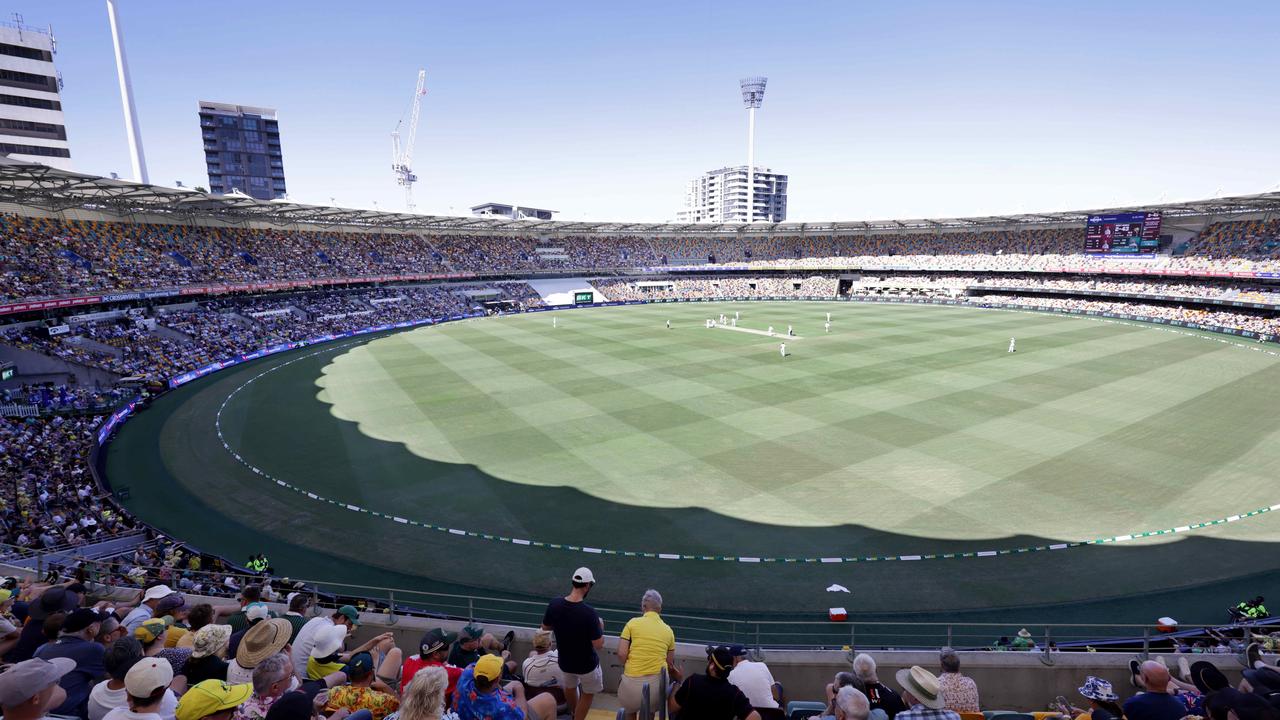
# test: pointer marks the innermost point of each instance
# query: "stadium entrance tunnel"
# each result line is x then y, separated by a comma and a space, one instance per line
333, 495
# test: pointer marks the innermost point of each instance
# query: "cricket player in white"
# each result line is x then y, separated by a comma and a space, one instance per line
827, 324
770, 331
828, 318
1013, 342
790, 332
553, 322
668, 324
783, 349
735, 315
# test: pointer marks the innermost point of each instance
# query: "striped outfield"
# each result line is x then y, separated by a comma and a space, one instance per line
910, 420
499, 454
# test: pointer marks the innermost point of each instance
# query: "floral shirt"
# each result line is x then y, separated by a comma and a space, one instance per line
471, 705
255, 708
355, 697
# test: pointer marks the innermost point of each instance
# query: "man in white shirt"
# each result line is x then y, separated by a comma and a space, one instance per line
752, 678
146, 609
111, 693
305, 642
147, 684
542, 667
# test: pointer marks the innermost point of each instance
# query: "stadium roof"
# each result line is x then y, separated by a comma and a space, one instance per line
45, 188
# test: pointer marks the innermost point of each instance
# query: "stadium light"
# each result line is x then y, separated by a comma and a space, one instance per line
752, 97
134, 133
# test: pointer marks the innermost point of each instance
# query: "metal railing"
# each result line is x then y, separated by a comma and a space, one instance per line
397, 603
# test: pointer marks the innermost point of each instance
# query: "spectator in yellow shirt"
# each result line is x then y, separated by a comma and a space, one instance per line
646, 645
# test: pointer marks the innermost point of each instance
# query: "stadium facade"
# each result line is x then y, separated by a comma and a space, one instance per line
242, 150
720, 196
32, 127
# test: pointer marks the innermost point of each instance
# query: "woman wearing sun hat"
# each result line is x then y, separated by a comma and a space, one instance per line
1102, 701
208, 653
260, 642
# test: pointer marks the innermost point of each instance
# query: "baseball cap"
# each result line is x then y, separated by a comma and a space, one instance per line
80, 619
583, 575
171, 602
351, 614
472, 632
721, 656
155, 592
27, 678
489, 667
148, 675
211, 696
737, 650
360, 665
257, 611
436, 639
149, 630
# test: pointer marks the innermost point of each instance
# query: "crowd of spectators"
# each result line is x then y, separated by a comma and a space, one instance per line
42, 257
1240, 319
823, 286
48, 498
168, 654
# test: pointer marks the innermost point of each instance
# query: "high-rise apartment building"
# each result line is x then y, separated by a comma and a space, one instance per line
31, 124
242, 150
720, 196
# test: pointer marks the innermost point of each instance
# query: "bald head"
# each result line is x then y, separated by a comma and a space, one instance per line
1155, 677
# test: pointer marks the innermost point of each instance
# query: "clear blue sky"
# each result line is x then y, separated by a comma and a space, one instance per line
604, 110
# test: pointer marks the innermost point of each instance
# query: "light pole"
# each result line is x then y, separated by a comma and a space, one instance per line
136, 155
752, 96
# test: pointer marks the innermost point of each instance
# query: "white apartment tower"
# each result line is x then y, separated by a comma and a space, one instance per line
720, 196
31, 123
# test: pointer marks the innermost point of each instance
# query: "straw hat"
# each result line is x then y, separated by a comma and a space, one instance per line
923, 686
262, 641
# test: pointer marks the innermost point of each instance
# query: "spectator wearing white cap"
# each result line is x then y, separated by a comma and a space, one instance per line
147, 608
147, 684
111, 693
579, 633
255, 613
30, 688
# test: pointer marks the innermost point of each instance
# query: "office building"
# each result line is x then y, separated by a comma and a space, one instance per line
242, 150
515, 212
720, 196
32, 128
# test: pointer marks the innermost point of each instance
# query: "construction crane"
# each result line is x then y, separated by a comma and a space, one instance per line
402, 158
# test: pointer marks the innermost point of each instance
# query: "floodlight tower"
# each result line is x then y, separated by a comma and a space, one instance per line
136, 156
752, 97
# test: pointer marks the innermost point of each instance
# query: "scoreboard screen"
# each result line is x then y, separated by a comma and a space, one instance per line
1123, 234
584, 298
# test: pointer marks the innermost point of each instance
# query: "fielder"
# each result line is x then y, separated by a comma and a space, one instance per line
668, 324
783, 349
828, 318
1013, 343
553, 322
770, 331
790, 332
827, 325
